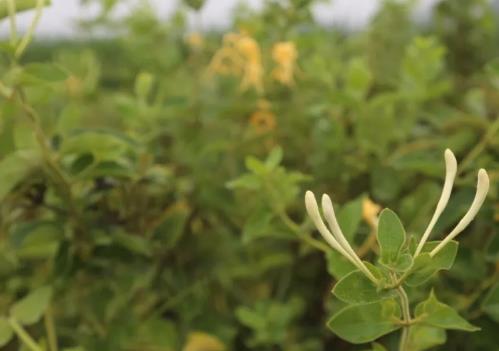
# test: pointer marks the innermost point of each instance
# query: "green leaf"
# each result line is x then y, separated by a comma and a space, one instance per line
6, 332
337, 265
31, 308
47, 72
81, 163
437, 314
391, 237
356, 288
250, 318
422, 68
143, 85
70, 119
422, 337
133, 243
104, 145
158, 333
257, 225
403, 263
14, 168
274, 158
246, 181
173, 225
386, 182
24, 135
349, 218
492, 254
378, 347
358, 78
364, 323
37, 239
490, 304
425, 266
255, 165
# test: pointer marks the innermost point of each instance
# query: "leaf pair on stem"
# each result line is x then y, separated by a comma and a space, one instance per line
371, 290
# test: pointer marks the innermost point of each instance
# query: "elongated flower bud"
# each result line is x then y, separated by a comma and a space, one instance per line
482, 188
313, 212
450, 174
328, 210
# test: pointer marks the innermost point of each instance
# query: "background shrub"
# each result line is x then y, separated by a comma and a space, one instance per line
157, 202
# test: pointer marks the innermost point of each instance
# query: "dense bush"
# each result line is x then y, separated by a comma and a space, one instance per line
151, 183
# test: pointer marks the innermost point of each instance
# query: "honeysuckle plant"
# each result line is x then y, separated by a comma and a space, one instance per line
375, 294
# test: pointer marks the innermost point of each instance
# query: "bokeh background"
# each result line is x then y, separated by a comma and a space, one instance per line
59, 20
154, 157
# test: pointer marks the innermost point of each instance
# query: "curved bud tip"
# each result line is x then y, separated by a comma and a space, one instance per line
327, 204
450, 161
311, 205
483, 181
482, 189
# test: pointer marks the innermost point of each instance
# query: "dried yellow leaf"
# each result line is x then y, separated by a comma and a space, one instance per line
200, 341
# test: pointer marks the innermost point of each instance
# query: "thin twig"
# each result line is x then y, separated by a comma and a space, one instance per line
50, 328
11, 4
477, 150
31, 30
23, 335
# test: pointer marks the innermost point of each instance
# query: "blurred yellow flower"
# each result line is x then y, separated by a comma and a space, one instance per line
240, 55
370, 212
263, 120
74, 86
195, 41
284, 54
200, 341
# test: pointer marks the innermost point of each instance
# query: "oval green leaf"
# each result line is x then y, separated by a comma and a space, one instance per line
365, 323
31, 308
356, 288
391, 236
437, 314
6, 332
425, 266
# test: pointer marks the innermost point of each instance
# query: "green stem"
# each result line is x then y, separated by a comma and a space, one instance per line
400, 281
31, 30
299, 232
11, 4
58, 174
5, 91
24, 336
292, 225
175, 300
50, 328
367, 245
406, 315
477, 150
473, 297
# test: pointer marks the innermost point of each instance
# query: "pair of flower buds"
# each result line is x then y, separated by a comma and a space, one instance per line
337, 240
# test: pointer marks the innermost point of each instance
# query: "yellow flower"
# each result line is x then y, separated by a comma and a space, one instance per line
195, 41
227, 60
370, 212
200, 341
74, 86
285, 55
263, 120
240, 55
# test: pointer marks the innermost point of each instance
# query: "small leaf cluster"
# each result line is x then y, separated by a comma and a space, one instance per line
373, 310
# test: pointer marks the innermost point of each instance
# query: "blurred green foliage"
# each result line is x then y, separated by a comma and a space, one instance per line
148, 203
